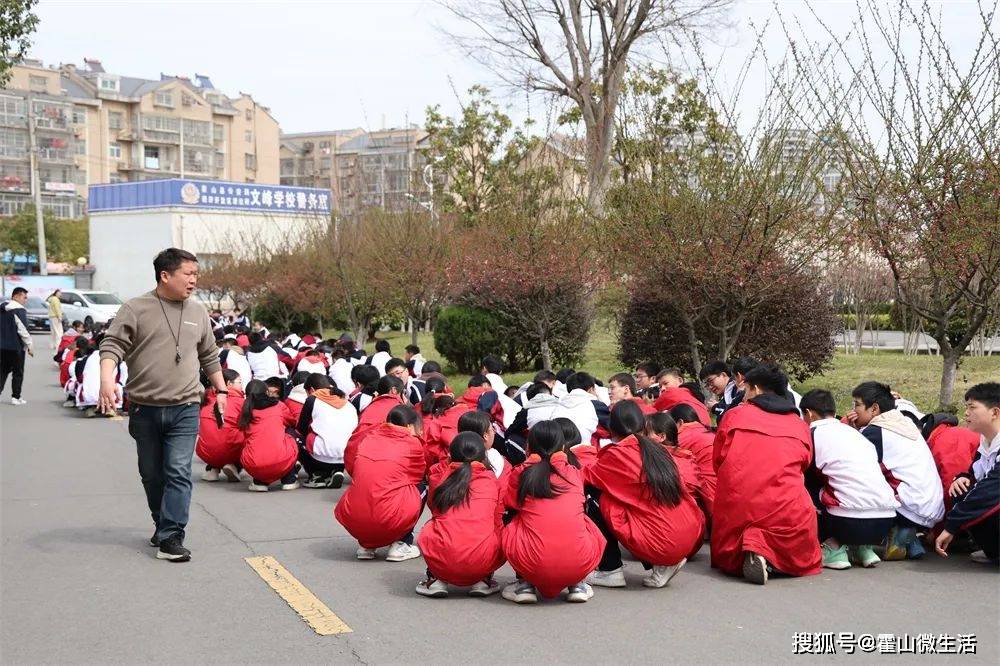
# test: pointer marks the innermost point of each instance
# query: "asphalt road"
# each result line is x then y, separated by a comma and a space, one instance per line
78, 584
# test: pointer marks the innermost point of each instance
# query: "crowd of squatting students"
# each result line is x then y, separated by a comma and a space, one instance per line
557, 476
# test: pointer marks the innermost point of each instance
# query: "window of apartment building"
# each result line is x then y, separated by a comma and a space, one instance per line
248, 136
220, 161
107, 84
115, 151
37, 83
197, 131
186, 100
250, 161
79, 115
51, 115
13, 142
164, 98
116, 177
151, 157
197, 160
218, 132
287, 167
59, 207
13, 111
324, 164
116, 120
248, 114
14, 177
11, 204
80, 147
161, 123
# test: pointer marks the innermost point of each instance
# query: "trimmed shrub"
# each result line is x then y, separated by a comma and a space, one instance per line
464, 335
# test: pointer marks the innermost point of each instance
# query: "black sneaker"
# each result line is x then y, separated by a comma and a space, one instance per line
316, 481
172, 549
290, 481
154, 540
336, 480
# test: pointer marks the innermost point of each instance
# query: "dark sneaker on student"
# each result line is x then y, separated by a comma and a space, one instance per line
173, 550
290, 481
336, 480
755, 568
231, 473
316, 481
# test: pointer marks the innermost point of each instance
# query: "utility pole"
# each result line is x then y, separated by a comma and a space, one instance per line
36, 188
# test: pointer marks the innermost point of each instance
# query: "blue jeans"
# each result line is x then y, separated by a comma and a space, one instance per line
164, 440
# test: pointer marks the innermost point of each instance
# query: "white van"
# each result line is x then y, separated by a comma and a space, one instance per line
90, 307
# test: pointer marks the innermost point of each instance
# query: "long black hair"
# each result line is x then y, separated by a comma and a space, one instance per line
544, 439
255, 398
466, 448
663, 423
695, 389
432, 387
658, 468
571, 437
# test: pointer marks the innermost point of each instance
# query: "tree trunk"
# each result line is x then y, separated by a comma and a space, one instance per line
598, 165
949, 368
414, 329
546, 355
692, 339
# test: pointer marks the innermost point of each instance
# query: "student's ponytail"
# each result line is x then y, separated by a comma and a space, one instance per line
658, 469
466, 448
442, 404
571, 438
432, 387
544, 439
256, 389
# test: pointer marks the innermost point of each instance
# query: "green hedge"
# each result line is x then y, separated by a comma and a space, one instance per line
464, 335
879, 322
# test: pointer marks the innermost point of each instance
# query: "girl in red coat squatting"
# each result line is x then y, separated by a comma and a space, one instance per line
386, 496
636, 496
220, 447
550, 542
699, 439
764, 519
663, 430
461, 542
269, 453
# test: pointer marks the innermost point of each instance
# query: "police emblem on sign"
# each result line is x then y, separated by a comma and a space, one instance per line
190, 194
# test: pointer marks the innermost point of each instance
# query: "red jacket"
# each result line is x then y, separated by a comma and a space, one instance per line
953, 448
383, 503
64, 366
551, 543
462, 545
269, 452
218, 447
699, 440
646, 408
440, 430
372, 417
761, 502
675, 395
655, 533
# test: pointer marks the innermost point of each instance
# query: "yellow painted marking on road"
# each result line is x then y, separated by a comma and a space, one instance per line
316, 614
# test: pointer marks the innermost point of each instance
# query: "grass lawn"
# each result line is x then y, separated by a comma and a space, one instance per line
916, 377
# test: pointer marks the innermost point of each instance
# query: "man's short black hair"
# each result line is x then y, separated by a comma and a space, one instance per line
492, 365
714, 368
564, 374
413, 349
871, 393
651, 369
624, 379
544, 376
744, 364
316, 381
18, 291
820, 401
768, 377
431, 366
170, 260
580, 380
987, 393
382, 345
394, 363
364, 375
479, 380
387, 383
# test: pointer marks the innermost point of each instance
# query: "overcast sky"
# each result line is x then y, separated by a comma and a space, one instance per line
338, 64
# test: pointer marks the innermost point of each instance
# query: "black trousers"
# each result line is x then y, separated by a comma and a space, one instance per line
12, 362
313, 466
986, 534
612, 557
854, 531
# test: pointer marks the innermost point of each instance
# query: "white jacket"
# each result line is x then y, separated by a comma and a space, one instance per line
237, 362
379, 359
333, 427
908, 466
540, 408
497, 382
987, 457
310, 367
854, 484
340, 373
578, 407
265, 364
88, 391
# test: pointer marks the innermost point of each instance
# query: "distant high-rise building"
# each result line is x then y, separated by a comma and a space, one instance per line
94, 127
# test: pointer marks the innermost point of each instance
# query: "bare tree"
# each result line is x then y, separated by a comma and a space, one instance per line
578, 50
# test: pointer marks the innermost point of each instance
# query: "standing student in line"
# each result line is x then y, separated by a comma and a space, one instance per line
269, 453
325, 424
386, 496
461, 542
764, 520
907, 464
857, 505
636, 496
550, 542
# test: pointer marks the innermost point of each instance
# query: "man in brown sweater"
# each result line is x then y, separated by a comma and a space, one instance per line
165, 338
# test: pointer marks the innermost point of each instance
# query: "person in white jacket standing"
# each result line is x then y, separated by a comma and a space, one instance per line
857, 505
907, 463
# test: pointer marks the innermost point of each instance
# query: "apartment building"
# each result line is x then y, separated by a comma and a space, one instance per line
95, 127
362, 169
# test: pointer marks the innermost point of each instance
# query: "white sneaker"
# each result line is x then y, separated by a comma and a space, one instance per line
485, 588
258, 487
661, 575
520, 592
400, 552
365, 553
232, 474
579, 593
979, 557
432, 587
70, 403
290, 486
614, 578
18, 401
210, 474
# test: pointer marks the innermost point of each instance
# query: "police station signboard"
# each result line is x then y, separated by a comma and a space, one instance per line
190, 193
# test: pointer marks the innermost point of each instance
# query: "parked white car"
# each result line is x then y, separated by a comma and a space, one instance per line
90, 307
